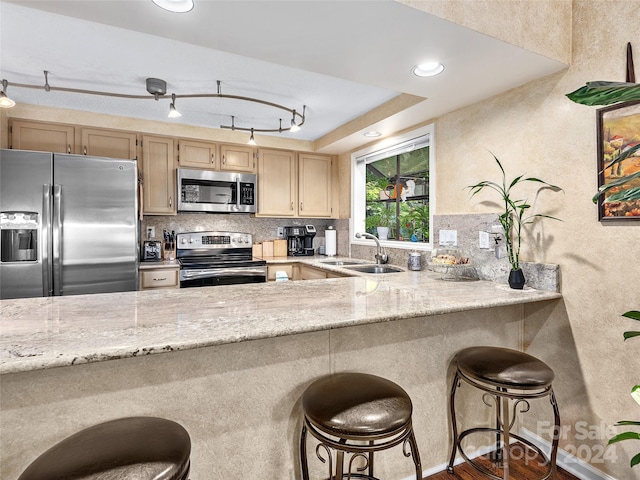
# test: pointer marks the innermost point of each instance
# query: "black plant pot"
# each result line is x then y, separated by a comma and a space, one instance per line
516, 279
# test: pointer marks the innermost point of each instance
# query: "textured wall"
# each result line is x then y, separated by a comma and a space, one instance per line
515, 22
535, 130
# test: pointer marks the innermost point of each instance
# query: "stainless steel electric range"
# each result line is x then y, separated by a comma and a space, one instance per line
218, 258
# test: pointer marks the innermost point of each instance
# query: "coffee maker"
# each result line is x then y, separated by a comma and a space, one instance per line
300, 240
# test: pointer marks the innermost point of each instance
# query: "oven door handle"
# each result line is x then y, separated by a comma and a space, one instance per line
222, 272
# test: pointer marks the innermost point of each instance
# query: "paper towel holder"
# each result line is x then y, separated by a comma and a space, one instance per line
330, 241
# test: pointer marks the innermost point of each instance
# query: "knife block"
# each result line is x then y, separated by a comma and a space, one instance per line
168, 254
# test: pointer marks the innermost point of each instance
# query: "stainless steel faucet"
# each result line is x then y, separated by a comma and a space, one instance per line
380, 257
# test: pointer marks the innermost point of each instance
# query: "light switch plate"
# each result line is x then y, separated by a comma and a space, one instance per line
483, 239
449, 238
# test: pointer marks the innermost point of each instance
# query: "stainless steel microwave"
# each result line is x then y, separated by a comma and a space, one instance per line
216, 192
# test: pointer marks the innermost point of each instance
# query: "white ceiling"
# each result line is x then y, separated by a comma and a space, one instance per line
339, 58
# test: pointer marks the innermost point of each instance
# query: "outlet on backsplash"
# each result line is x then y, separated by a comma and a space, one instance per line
151, 232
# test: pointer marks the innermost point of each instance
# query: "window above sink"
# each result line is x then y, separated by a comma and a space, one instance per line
393, 195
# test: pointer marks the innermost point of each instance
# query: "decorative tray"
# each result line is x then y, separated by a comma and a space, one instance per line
452, 264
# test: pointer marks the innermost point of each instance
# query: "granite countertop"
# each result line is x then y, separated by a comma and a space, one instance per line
40, 333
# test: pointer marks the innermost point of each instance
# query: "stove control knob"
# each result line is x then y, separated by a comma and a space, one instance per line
190, 240
183, 240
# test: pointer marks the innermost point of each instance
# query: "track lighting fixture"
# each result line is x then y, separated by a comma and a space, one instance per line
158, 89
173, 113
251, 140
5, 102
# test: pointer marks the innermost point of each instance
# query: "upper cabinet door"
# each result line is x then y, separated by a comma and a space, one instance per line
159, 175
314, 186
237, 158
194, 154
43, 137
277, 183
109, 143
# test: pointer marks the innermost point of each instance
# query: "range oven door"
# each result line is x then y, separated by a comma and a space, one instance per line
205, 277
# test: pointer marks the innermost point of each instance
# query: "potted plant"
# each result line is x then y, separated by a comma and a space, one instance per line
418, 218
385, 218
513, 217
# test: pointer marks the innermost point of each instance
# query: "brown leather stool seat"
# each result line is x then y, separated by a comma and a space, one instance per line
504, 375
140, 448
359, 414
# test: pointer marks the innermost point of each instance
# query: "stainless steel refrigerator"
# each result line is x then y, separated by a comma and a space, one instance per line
68, 224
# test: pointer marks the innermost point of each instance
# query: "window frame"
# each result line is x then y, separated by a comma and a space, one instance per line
358, 188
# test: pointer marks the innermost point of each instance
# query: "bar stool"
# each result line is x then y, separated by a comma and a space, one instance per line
140, 448
503, 374
357, 414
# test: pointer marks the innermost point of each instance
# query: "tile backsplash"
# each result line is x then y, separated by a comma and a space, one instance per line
261, 228
487, 266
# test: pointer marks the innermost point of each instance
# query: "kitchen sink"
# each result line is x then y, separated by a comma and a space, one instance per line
378, 269
341, 262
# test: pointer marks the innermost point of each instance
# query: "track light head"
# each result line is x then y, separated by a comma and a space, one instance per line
251, 139
173, 113
5, 102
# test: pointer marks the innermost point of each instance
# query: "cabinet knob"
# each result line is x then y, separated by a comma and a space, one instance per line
224, 160
170, 202
159, 279
300, 206
69, 148
213, 158
291, 205
84, 150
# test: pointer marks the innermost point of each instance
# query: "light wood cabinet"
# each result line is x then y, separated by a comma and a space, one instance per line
314, 185
159, 175
300, 271
290, 269
41, 136
294, 185
277, 183
237, 158
193, 154
159, 278
109, 143
311, 273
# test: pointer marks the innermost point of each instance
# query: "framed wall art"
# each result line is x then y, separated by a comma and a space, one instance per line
619, 162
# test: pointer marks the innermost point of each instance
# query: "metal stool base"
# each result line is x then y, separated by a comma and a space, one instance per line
344, 444
502, 395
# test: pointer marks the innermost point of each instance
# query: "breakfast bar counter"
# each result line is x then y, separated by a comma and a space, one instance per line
50, 332
230, 363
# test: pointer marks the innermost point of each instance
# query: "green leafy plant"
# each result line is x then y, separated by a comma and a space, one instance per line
418, 217
605, 93
635, 394
608, 93
514, 215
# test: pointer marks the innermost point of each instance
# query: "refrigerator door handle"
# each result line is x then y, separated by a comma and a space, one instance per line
57, 240
44, 241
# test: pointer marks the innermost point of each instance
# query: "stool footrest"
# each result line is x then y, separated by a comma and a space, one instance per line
482, 469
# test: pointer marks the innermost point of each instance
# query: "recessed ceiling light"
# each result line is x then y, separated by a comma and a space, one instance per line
428, 69
372, 134
177, 6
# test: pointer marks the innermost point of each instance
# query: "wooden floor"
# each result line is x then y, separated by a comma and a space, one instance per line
521, 469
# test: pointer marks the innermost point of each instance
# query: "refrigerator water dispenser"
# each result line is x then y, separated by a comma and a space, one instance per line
19, 237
